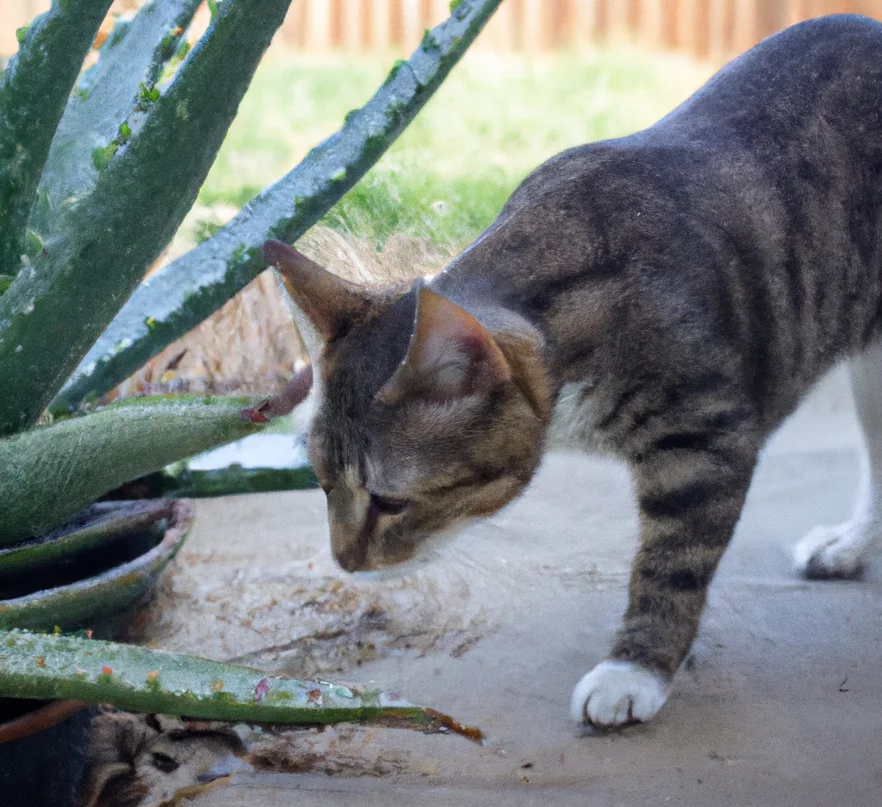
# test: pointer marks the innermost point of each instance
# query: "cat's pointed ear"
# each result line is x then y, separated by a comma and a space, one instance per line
329, 302
450, 355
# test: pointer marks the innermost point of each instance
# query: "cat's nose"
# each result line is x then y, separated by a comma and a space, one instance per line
351, 559
350, 526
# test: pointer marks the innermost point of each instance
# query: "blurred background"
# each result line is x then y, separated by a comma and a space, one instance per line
545, 75
713, 29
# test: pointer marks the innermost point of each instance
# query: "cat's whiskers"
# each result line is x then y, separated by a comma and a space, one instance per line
428, 551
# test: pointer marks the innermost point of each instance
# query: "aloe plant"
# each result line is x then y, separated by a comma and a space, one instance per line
97, 171
194, 286
52, 666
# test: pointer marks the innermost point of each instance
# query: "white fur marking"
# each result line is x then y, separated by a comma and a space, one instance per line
573, 423
618, 692
304, 412
840, 551
835, 551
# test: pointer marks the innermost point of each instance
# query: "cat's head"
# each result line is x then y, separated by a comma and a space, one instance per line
424, 418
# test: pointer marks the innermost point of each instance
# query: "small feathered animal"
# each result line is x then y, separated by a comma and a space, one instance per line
148, 760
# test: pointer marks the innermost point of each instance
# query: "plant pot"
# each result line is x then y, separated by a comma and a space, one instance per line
44, 752
88, 574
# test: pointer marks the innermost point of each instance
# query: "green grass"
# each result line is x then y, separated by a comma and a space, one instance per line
493, 121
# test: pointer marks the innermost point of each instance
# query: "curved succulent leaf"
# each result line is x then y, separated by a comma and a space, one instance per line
49, 473
106, 240
107, 98
136, 678
181, 482
33, 91
191, 288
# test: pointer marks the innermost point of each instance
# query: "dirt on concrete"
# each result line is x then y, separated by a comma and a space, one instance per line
780, 702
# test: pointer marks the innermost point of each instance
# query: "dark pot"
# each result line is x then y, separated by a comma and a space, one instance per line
90, 574
46, 764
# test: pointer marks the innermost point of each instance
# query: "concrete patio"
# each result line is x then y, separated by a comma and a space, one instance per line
779, 704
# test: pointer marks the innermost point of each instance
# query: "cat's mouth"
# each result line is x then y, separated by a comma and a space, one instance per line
394, 571
359, 559
403, 557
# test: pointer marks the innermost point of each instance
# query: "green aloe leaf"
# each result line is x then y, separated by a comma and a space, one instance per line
105, 241
181, 482
136, 678
33, 91
191, 288
106, 101
88, 455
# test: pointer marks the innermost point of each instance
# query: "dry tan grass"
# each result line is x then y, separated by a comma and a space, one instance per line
251, 344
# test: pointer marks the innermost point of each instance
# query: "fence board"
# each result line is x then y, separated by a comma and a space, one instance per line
501, 31
745, 29
691, 27
619, 20
585, 23
318, 26
411, 24
352, 25
380, 24
718, 30
535, 17
651, 23
439, 10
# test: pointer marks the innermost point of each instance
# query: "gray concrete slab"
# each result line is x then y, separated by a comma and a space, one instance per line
780, 703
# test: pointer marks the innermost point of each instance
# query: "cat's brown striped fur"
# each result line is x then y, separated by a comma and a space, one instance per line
668, 296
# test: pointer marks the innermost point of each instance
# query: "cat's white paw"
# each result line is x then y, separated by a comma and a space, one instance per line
833, 551
618, 692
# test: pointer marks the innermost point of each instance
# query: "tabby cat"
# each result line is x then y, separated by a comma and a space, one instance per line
667, 297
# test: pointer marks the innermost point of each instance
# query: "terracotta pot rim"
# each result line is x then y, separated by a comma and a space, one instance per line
42, 718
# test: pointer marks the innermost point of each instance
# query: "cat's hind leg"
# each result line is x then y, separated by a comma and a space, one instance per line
840, 551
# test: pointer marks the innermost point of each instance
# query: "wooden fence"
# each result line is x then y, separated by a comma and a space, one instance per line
705, 29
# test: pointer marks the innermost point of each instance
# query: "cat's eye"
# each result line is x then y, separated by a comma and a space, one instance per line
387, 506
165, 763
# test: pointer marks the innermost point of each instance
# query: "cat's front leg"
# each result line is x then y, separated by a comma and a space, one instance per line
691, 488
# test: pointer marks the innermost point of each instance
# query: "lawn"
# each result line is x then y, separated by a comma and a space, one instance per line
495, 119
